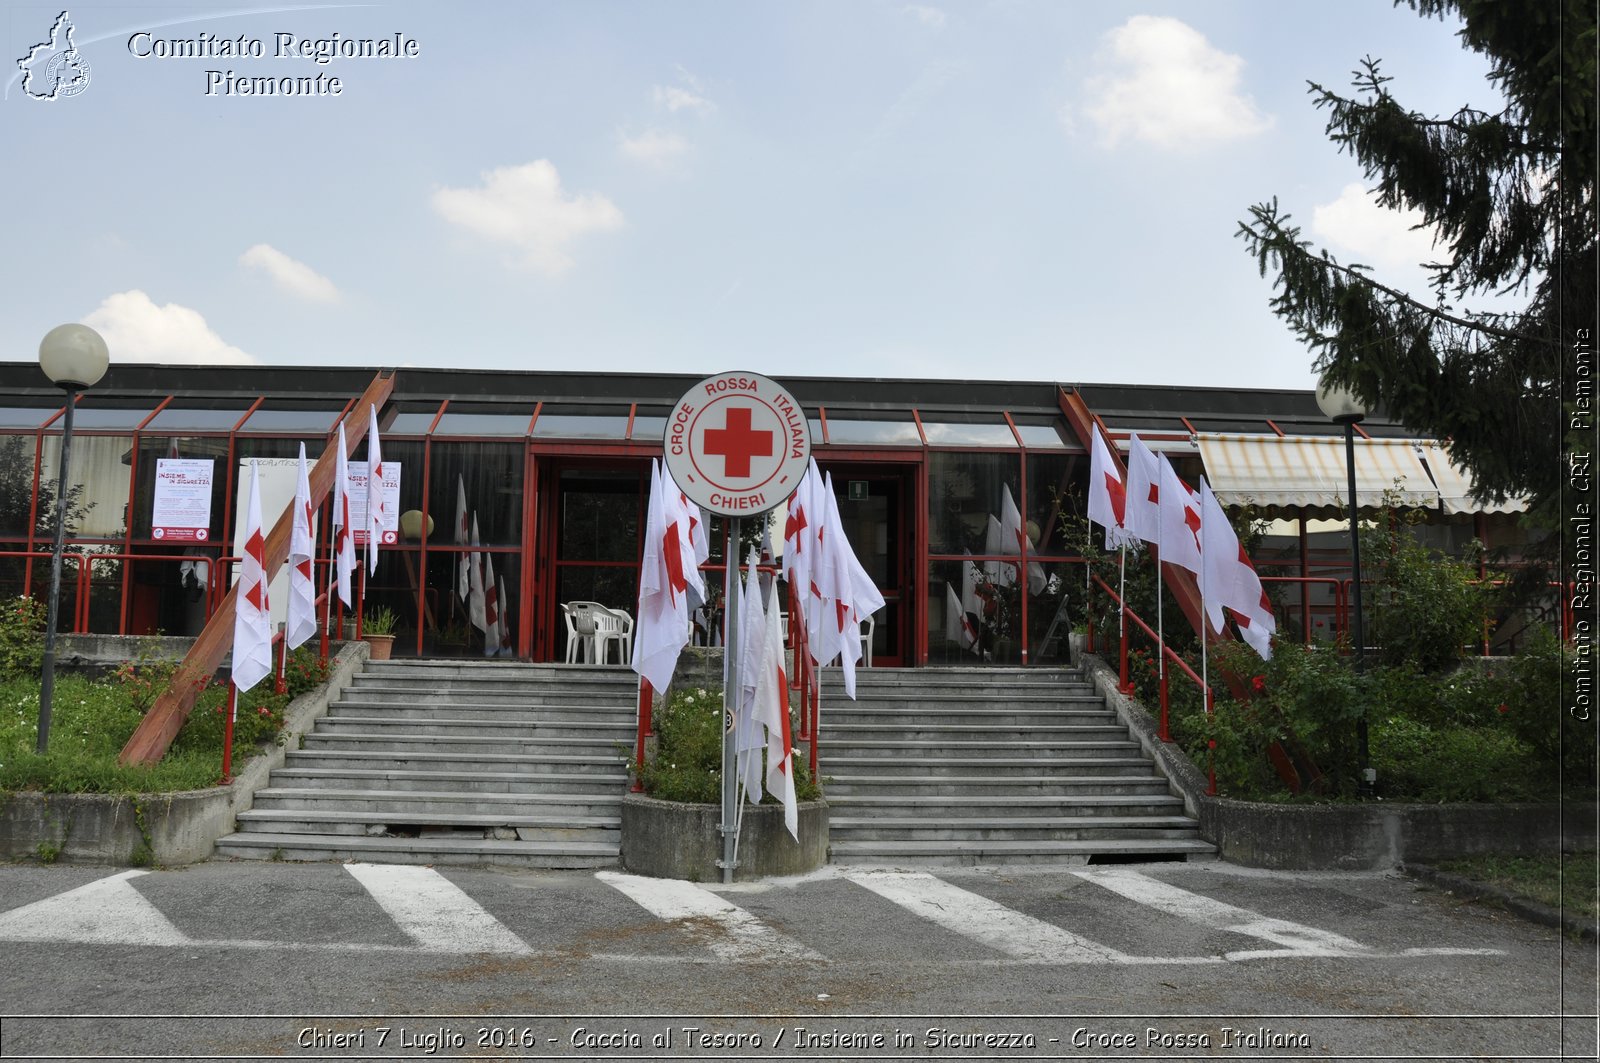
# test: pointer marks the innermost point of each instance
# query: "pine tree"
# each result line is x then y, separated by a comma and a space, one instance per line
1512, 195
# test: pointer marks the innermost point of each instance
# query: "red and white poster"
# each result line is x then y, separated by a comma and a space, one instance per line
181, 512
391, 502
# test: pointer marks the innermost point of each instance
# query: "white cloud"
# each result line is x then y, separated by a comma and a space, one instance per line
525, 207
1364, 232
291, 275
931, 17
1168, 87
687, 96
653, 147
137, 330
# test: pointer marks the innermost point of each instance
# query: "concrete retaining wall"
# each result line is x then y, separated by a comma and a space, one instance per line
666, 839
1346, 837
166, 829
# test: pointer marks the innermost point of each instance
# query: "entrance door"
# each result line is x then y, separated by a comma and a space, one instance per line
590, 547
875, 506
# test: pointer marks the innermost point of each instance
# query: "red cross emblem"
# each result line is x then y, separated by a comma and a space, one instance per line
1119, 498
738, 442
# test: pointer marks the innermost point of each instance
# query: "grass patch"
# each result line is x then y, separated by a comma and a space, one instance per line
1559, 880
92, 719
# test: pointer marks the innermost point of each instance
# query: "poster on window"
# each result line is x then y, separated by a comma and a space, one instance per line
181, 512
391, 502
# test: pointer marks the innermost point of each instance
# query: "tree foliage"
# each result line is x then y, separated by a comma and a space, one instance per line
1512, 195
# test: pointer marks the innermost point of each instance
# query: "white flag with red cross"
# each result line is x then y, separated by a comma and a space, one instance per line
375, 513
344, 545
302, 613
1142, 516
1180, 521
1108, 495
252, 616
463, 537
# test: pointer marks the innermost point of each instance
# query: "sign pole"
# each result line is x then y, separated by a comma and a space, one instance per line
730, 701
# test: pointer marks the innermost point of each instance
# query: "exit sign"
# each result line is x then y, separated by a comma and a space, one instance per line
858, 490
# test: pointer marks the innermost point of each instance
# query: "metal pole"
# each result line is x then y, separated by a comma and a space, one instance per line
730, 698
47, 677
1364, 786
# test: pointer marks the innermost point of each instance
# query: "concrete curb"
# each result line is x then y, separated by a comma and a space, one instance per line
1533, 911
1341, 837
167, 829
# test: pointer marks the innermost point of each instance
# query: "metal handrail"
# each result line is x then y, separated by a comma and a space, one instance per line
1166, 651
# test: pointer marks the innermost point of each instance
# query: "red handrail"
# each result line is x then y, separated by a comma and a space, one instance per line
1167, 653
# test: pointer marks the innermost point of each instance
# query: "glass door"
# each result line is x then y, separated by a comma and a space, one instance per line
874, 508
591, 543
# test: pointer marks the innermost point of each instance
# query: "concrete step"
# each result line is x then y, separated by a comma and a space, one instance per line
1077, 784
528, 828
858, 742
437, 802
936, 853
457, 762
506, 711
958, 807
255, 845
1008, 828
602, 748
902, 717
510, 696
476, 781
503, 727
997, 768
935, 697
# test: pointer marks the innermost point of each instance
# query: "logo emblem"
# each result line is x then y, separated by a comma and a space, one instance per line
737, 444
54, 68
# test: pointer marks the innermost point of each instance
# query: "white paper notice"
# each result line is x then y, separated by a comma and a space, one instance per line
391, 502
182, 508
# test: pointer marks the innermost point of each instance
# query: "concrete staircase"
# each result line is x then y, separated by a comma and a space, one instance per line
990, 766
450, 762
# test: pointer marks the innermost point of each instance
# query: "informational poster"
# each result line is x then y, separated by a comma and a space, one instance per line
278, 479
391, 502
181, 512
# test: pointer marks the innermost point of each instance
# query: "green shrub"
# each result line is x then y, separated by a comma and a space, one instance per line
21, 638
1419, 763
1423, 608
687, 765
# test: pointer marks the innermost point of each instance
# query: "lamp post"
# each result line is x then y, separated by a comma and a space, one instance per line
1340, 405
74, 357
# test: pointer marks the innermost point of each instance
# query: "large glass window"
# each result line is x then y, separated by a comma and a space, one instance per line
488, 476
97, 484
950, 434
16, 486
966, 492
1056, 490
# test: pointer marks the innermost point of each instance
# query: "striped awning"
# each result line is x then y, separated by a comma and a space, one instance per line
1455, 485
1309, 472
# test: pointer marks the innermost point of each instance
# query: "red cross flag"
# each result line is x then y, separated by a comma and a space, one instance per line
1143, 514
1015, 540
1230, 579
772, 710
302, 617
1180, 521
505, 621
475, 595
665, 575
957, 625
1108, 498
463, 536
344, 546
491, 608
252, 617
374, 490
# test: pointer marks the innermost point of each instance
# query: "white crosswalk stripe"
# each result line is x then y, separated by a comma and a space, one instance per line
992, 924
435, 912
105, 912
739, 936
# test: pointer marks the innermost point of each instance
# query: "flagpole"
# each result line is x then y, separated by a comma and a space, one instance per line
1126, 686
227, 733
730, 700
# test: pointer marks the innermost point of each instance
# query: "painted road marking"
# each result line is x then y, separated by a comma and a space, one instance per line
1295, 939
434, 912
741, 935
992, 924
105, 912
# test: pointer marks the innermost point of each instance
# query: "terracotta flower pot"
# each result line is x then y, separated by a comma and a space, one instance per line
382, 646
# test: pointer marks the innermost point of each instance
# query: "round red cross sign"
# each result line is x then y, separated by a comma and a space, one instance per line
737, 443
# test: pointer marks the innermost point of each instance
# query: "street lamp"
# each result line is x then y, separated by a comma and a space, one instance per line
74, 357
1340, 405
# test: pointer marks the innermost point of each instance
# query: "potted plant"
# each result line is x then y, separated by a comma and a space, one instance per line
377, 630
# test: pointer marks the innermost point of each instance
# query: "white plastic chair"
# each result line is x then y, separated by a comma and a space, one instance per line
598, 629
625, 623
867, 630
575, 637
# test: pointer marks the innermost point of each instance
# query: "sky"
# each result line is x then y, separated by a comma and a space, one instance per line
1010, 189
